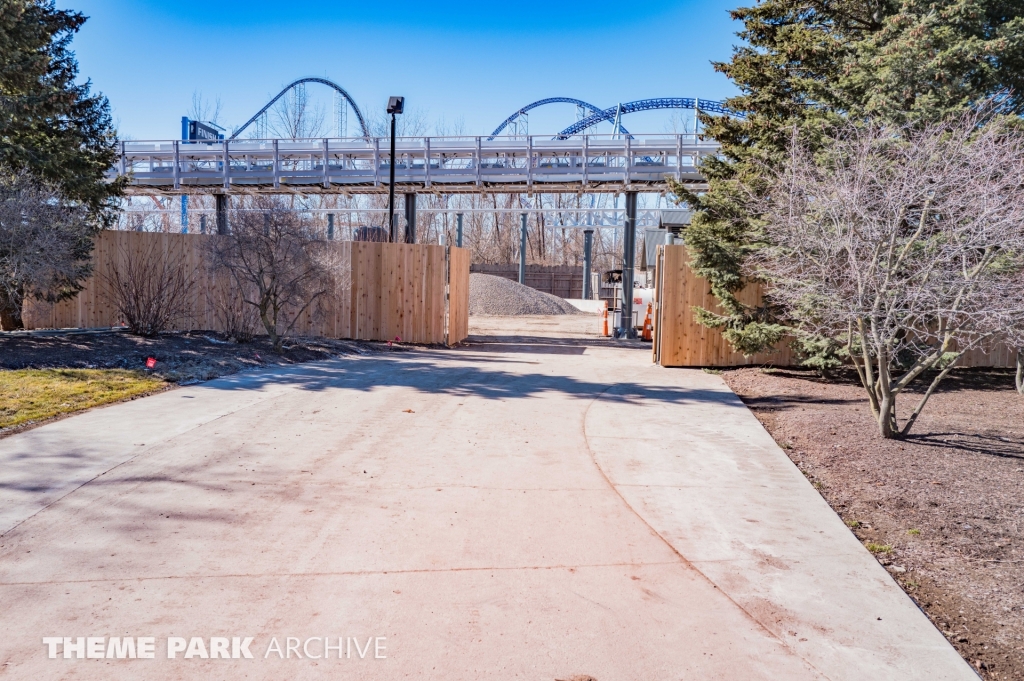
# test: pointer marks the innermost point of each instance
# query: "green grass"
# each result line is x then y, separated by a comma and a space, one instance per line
878, 548
853, 524
914, 532
38, 394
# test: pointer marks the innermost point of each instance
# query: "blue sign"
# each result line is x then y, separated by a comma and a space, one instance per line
201, 132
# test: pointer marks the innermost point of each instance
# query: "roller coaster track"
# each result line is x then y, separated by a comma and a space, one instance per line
323, 81
549, 100
609, 114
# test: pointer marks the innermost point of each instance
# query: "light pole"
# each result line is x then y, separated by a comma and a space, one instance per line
395, 106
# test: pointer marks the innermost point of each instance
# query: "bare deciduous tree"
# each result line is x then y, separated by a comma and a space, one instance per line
278, 261
203, 109
151, 291
1015, 340
45, 243
295, 117
905, 244
1019, 377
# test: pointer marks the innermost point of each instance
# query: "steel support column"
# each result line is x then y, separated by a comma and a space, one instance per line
458, 230
330, 226
588, 251
222, 213
410, 218
626, 329
522, 248
184, 197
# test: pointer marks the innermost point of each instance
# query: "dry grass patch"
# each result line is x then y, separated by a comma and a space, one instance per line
37, 394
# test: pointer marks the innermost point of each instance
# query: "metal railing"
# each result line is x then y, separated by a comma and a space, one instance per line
593, 163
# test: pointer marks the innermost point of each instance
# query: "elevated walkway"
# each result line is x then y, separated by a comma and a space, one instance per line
450, 164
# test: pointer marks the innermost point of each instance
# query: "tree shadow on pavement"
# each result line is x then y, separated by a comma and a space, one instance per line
469, 377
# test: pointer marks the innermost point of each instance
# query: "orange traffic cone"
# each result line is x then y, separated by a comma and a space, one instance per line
648, 326
604, 320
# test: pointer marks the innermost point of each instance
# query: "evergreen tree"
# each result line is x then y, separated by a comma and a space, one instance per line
54, 134
804, 66
50, 125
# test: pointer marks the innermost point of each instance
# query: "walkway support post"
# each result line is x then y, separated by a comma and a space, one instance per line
522, 248
626, 329
458, 230
222, 213
410, 218
588, 250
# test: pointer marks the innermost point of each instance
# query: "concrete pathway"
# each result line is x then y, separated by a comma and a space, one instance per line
516, 509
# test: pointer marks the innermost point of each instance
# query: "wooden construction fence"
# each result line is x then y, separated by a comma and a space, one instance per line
458, 295
381, 291
564, 281
679, 341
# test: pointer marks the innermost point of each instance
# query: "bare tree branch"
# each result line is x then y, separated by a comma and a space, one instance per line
150, 290
279, 262
905, 244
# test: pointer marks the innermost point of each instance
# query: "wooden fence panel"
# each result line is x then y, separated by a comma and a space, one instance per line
564, 281
682, 342
378, 291
437, 276
458, 295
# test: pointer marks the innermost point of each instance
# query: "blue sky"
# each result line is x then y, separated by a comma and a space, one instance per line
468, 62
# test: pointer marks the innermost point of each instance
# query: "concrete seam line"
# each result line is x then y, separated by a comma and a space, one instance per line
340, 573
673, 549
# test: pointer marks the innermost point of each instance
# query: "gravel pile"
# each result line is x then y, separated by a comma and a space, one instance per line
491, 295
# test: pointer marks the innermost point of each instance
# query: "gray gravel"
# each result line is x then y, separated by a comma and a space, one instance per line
490, 295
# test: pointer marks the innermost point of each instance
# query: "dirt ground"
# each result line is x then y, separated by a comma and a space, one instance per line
180, 357
943, 510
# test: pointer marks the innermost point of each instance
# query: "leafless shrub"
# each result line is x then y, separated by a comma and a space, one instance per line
234, 317
45, 243
151, 291
277, 261
905, 244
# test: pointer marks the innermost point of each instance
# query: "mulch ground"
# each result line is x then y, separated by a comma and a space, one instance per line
185, 357
948, 500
